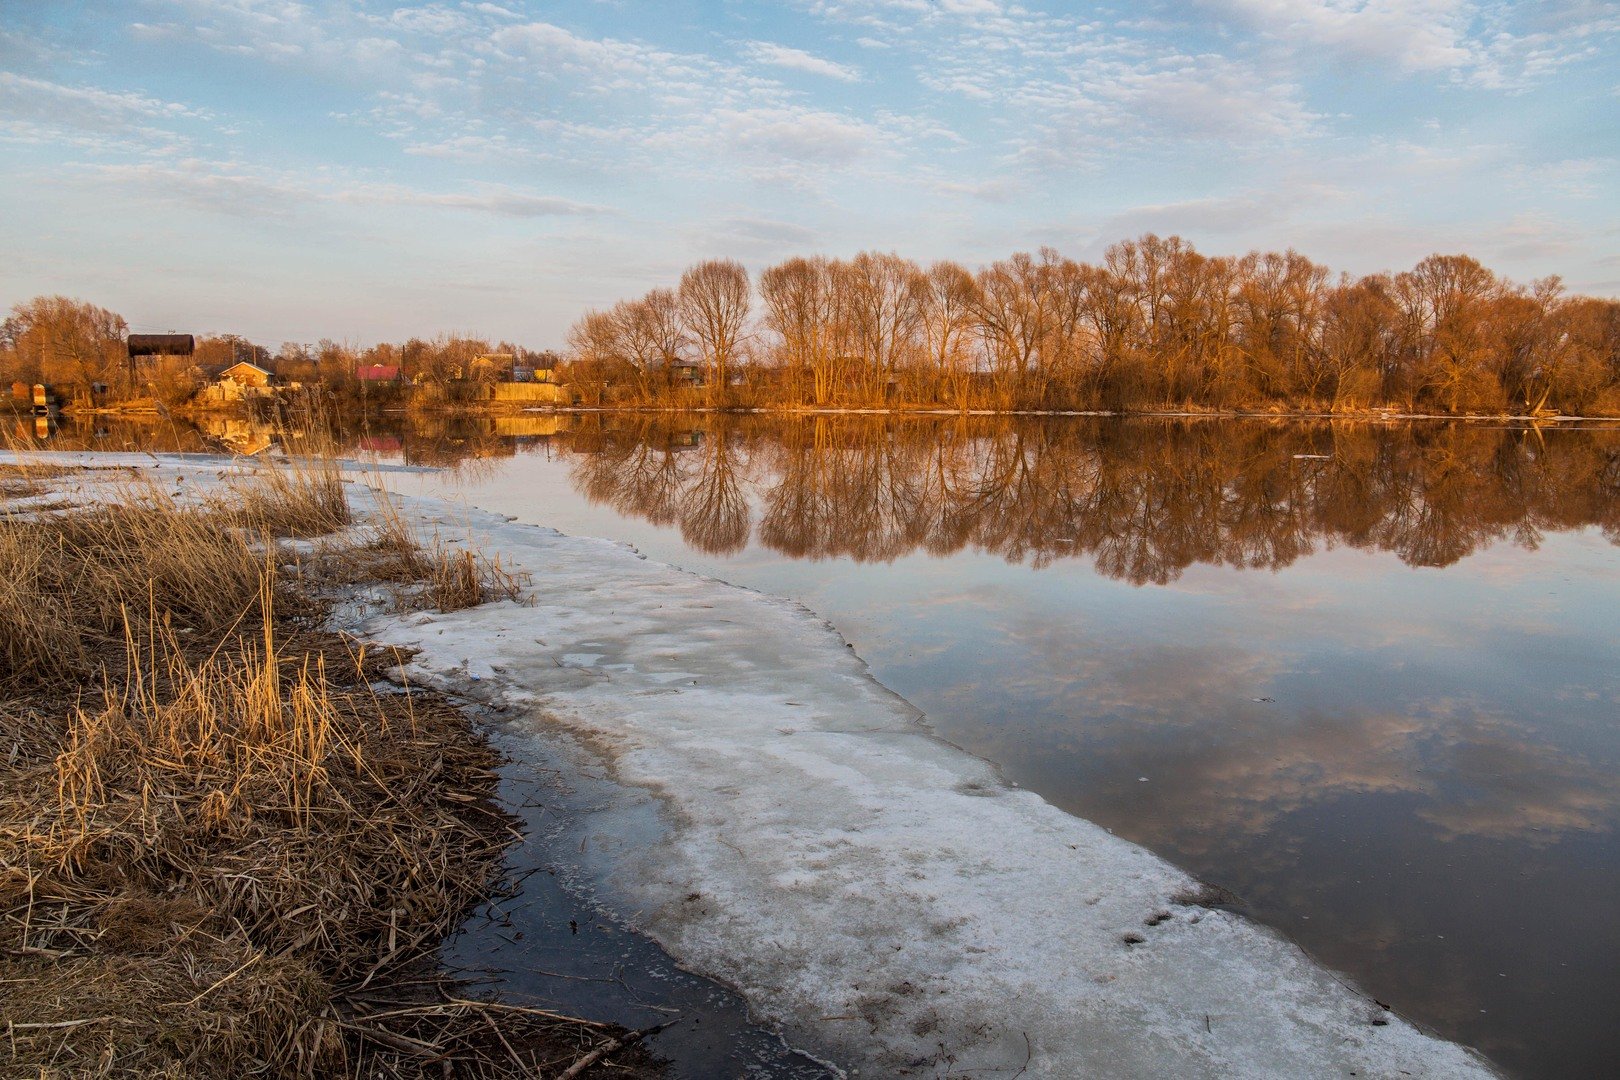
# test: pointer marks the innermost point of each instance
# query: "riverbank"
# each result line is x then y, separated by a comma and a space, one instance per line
778, 820
1368, 415
225, 846
785, 824
486, 409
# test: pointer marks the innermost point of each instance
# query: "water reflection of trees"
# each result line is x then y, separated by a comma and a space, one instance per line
1143, 499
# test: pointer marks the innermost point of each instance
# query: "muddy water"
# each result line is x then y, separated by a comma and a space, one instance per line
1367, 677
541, 941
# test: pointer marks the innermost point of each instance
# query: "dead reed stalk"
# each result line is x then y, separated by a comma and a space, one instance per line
216, 840
440, 575
302, 498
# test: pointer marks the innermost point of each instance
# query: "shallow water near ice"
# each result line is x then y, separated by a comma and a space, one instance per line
543, 941
886, 900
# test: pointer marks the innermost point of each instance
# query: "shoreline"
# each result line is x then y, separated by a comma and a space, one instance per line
930, 412
811, 846
249, 854
787, 826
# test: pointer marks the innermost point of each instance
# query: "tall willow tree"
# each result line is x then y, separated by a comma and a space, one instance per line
713, 300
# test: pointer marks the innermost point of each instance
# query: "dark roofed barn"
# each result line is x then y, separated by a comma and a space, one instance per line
161, 345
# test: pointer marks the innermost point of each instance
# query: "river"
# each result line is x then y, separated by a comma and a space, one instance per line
1364, 677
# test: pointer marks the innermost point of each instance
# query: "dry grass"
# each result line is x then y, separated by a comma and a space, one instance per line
441, 576
463, 578
226, 857
26, 477
70, 583
304, 498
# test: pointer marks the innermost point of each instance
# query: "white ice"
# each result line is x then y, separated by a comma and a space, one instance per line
885, 898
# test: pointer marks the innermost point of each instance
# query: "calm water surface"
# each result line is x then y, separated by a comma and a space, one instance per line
1365, 677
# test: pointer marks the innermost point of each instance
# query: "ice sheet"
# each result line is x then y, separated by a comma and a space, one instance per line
885, 897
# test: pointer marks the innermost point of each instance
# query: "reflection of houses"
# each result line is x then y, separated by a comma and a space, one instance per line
684, 440
529, 426
381, 444
245, 437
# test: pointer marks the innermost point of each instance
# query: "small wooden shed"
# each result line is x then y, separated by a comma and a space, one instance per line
245, 374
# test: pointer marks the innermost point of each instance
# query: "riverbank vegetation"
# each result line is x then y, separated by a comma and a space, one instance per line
223, 850
1154, 325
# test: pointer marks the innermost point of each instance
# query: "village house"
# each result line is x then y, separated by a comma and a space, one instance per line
492, 367
248, 375
387, 374
244, 379
685, 373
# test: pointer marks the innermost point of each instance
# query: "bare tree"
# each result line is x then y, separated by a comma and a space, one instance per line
713, 299
800, 309
947, 324
885, 304
61, 340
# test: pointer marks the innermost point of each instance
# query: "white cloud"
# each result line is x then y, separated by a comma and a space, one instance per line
1411, 34
432, 19
1206, 97
772, 135
243, 190
1219, 215
1491, 45
221, 187
972, 7
84, 105
488, 199
1571, 178
763, 52
472, 147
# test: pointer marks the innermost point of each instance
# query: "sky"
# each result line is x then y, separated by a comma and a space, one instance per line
359, 171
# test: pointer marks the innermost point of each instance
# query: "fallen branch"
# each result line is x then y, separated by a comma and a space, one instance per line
609, 1047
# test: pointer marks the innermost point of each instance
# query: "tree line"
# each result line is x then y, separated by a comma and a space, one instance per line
1154, 325
73, 345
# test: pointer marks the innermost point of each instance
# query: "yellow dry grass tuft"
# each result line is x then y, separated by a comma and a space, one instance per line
443, 576
214, 835
69, 583
216, 812
303, 498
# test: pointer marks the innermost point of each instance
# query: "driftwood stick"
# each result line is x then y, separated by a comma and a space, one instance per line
608, 1047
